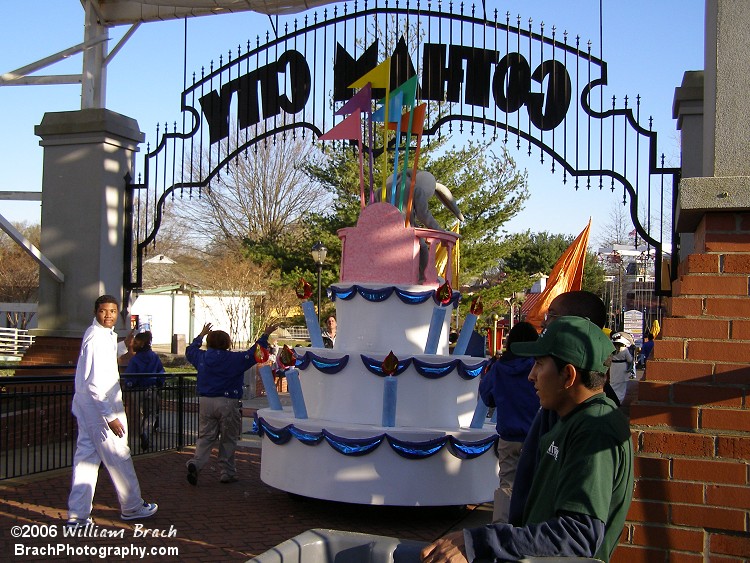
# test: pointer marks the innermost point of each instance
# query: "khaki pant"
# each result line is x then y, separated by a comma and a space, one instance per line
508, 454
219, 419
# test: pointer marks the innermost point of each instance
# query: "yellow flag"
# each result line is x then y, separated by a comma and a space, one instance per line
566, 275
441, 258
379, 77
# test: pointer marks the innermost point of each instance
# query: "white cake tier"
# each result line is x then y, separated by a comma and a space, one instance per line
398, 323
442, 398
379, 475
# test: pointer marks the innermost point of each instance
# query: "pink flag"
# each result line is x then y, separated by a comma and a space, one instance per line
350, 128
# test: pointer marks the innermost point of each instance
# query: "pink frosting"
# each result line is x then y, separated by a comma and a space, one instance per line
380, 249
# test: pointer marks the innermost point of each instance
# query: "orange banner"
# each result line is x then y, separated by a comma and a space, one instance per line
566, 275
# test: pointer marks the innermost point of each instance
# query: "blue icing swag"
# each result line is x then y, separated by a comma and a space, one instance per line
363, 446
425, 369
378, 295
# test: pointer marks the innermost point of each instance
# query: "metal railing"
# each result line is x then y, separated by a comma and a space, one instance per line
295, 332
38, 430
14, 342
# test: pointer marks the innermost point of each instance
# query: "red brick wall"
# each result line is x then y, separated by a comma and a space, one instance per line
691, 421
49, 350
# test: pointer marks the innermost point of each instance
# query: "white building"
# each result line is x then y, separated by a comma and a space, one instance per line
183, 310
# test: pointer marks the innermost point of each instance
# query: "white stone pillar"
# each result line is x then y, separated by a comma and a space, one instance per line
87, 154
725, 185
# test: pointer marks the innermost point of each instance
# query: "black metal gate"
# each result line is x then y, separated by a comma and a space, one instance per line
489, 75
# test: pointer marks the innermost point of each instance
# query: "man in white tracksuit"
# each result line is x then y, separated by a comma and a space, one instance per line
102, 424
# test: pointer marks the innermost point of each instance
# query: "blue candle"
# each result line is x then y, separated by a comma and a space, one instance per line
465, 336
480, 413
436, 328
295, 391
313, 326
390, 392
266, 375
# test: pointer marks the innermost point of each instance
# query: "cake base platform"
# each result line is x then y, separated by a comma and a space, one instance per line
379, 476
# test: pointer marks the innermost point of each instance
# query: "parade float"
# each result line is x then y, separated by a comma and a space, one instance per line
387, 416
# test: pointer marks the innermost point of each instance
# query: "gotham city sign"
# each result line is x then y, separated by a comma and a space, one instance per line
486, 79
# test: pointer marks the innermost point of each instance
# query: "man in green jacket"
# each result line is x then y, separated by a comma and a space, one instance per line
583, 484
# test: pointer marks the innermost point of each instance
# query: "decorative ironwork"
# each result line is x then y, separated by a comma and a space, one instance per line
497, 76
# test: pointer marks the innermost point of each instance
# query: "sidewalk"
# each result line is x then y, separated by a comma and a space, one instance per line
210, 522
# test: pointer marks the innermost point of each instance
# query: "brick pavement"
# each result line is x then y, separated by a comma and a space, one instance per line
213, 521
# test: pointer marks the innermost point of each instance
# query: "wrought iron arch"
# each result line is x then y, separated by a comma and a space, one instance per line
502, 79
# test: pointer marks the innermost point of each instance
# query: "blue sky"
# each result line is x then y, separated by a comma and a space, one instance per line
648, 45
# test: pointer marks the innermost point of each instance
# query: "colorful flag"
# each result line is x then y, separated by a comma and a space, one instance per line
409, 91
362, 101
441, 259
379, 77
414, 124
350, 128
394, 112
566, 275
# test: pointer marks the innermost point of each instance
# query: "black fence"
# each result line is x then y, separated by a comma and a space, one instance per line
38, 431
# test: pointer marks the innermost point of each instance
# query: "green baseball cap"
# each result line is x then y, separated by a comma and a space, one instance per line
574, 340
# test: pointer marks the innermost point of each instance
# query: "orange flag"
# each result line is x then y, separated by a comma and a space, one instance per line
566, 275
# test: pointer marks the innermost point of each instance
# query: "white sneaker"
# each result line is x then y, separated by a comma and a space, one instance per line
147, 510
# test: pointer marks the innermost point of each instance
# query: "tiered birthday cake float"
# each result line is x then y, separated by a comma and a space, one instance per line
387, 416
369, 437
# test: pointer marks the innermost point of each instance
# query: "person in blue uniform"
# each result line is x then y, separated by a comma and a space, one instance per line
144, 361
220, 386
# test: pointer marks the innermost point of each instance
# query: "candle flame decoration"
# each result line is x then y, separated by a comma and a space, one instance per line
444, 293
261, 354
476, 306
286, 358
303, 289
390, 363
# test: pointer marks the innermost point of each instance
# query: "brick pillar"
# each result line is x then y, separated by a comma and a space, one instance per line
691, 421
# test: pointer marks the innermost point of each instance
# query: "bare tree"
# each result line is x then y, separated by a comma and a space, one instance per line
617, 229
237, 279
259, 195
19, 273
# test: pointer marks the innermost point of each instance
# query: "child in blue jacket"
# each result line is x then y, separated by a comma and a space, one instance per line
221, 376
145, 360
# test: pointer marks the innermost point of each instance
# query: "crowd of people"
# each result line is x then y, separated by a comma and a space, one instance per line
103, 424
564, 451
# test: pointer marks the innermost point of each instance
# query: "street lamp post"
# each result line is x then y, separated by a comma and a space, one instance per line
495, 318
516, 299
319, 252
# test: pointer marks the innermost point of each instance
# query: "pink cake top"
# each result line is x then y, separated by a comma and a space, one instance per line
380, 249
